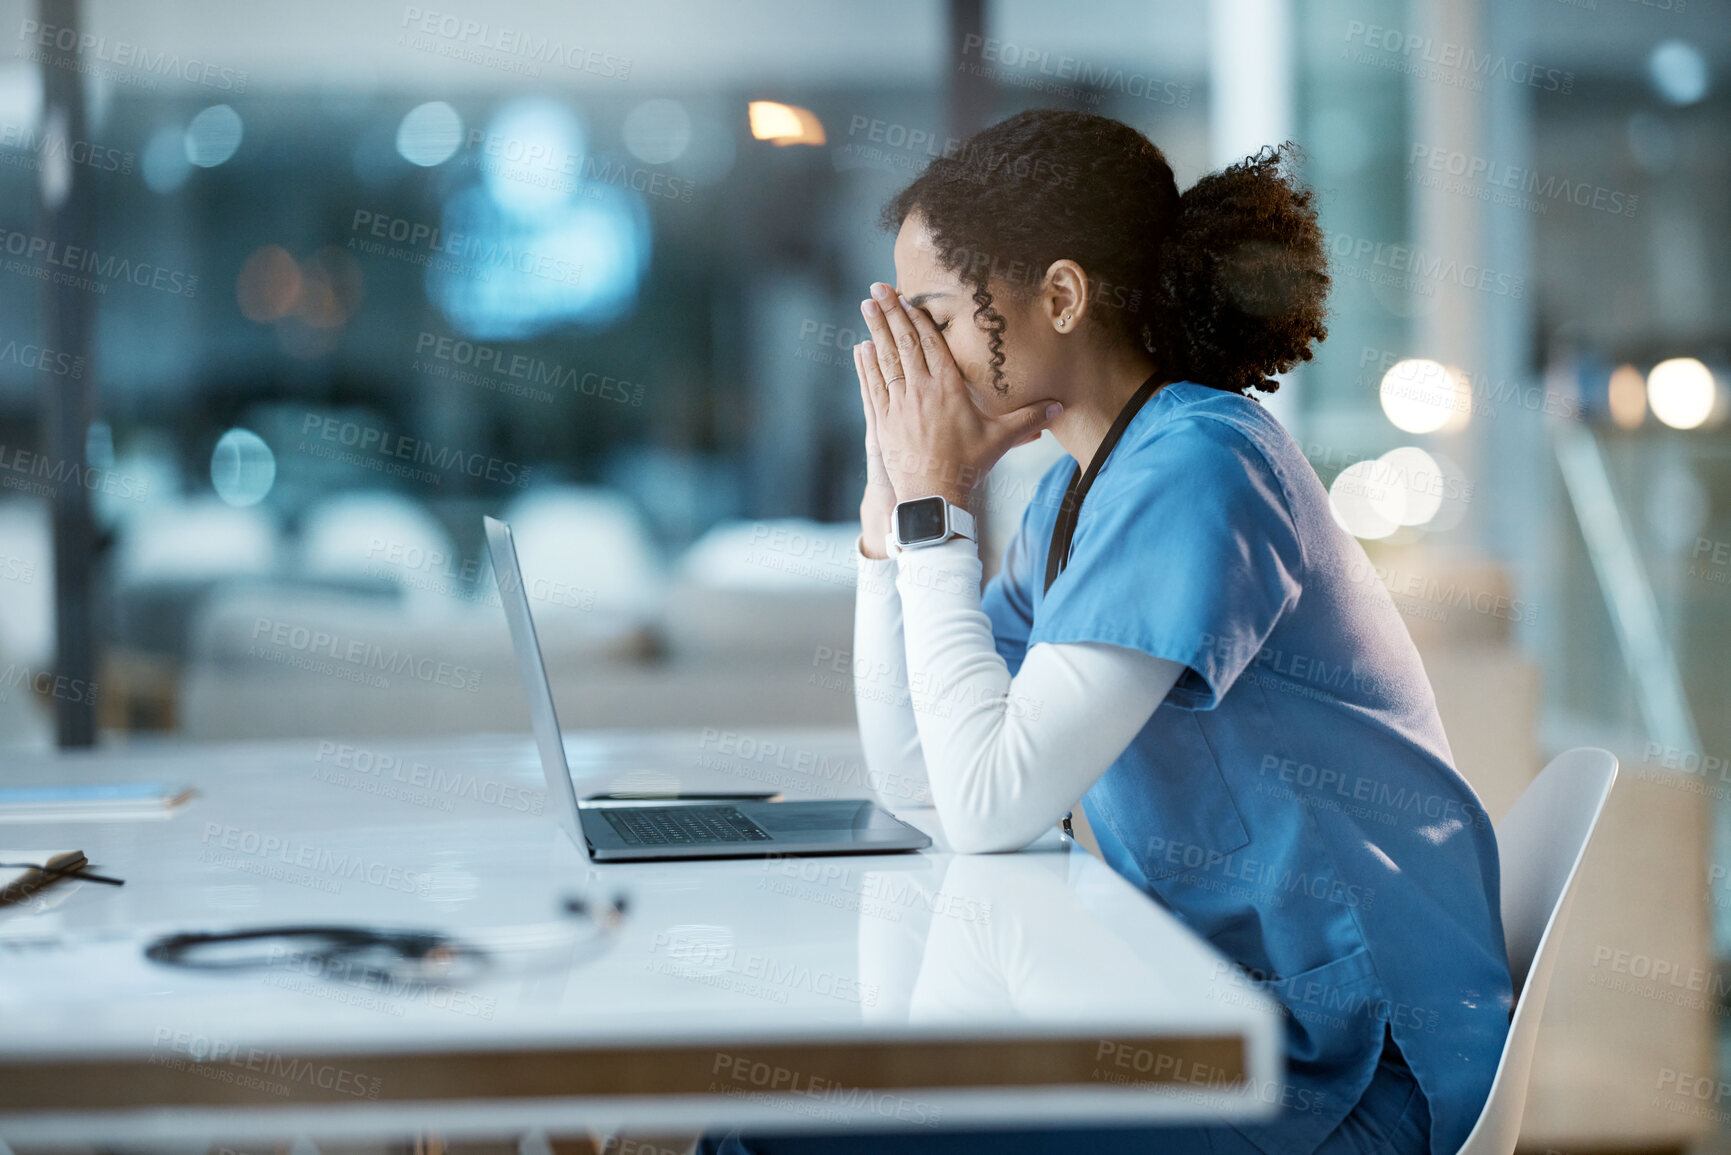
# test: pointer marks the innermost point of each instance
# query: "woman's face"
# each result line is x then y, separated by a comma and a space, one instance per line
1031, 351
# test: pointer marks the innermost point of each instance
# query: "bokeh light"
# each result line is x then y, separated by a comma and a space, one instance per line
309, 301
55, 167
330, 288
164, 162
1356, 500
1423, 396
658, 131
213, 136
525, 272
1627, 397
1405, 487
1456, 493
1680, 392
429, 134
532, 156
1678, 71
268, 284
1409, 486
242, 468
784, 124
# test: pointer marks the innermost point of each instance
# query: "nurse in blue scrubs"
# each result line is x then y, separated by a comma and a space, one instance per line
1243, 717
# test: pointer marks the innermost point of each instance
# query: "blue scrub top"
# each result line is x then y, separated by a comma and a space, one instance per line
1293, 799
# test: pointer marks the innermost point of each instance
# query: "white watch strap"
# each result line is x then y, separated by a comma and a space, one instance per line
958, 521
962, 522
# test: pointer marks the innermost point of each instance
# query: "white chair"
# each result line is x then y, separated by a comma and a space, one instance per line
197, 540
26, 582
1541, 840
589, 553
786, 555
380, 534
779, 591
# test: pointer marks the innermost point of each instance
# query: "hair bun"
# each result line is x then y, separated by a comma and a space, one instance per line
1224, 284
1244, 276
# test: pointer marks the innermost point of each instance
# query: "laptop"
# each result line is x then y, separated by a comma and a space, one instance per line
746, 827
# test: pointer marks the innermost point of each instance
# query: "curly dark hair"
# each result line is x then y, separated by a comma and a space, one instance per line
1225, 285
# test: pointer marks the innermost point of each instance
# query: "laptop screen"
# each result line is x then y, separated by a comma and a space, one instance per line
561, 795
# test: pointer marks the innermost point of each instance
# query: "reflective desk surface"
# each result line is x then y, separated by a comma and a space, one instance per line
906, 990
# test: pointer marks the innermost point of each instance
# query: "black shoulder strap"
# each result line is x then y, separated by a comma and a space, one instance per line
1064, 529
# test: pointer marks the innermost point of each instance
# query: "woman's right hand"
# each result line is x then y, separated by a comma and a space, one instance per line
878, 505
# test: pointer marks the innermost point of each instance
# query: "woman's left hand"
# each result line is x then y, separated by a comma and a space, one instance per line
935, 440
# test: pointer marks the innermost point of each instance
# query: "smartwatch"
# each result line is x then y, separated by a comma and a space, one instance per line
929, 521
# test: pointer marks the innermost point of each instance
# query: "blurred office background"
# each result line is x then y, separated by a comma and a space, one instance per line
291, 295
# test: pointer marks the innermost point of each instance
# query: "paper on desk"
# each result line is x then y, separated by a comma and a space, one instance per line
93, 802
22, 871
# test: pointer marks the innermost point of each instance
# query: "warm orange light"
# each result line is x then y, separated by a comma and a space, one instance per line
331, 288
1628, 397
268, 285
783, 124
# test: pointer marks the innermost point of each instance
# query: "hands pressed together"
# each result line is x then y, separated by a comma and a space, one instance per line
924, 433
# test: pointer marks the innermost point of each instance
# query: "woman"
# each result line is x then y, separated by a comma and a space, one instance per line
1175, 638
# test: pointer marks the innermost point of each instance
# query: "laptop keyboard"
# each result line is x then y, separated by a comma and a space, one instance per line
682, 825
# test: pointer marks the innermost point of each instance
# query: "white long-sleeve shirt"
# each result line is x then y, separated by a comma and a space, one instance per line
1005, 758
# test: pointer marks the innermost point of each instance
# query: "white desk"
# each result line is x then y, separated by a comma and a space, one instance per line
802, 994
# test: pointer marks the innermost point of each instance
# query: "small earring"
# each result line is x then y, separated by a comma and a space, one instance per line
1065, 321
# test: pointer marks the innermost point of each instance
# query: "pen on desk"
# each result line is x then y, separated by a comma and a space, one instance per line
95, 877
74, 872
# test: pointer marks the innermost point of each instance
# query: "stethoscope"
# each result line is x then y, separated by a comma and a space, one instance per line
362, 954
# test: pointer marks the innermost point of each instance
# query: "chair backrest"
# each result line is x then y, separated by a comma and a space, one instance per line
26, 582
597, 549
376, 533
197, 539
1541, 842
